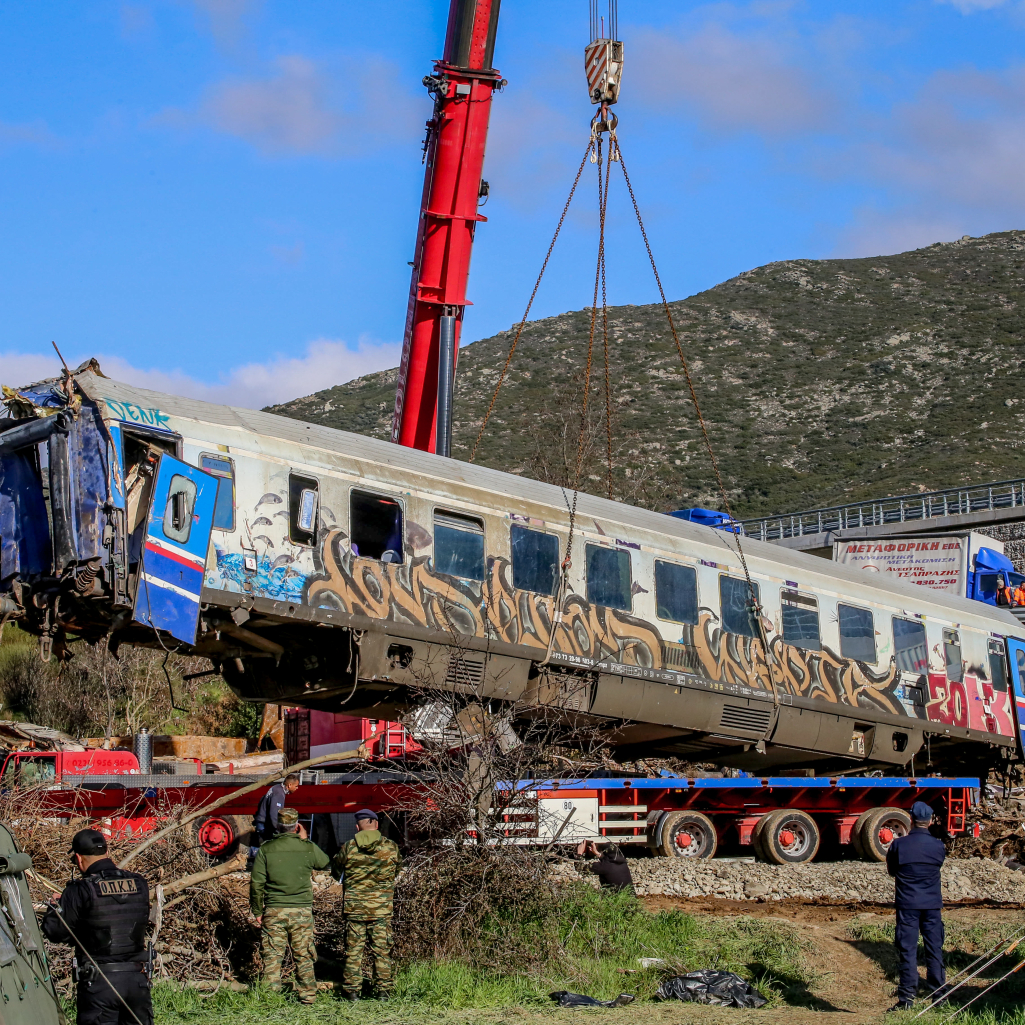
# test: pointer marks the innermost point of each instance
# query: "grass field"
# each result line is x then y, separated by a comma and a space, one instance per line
601, 936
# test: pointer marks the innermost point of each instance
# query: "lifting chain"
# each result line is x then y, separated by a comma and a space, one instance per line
605, 122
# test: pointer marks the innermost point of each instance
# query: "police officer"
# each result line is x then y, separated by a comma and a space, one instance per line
265, 821
106, 913
914, 861
368, 865
281, 898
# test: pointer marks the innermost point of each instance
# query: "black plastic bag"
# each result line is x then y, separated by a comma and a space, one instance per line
566, 999
709, 986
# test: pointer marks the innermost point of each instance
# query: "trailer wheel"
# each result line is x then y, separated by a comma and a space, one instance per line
756, 837
218, 835
789, 837
687, 834
877, 829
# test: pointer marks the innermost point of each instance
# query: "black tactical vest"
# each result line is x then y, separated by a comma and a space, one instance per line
114, 922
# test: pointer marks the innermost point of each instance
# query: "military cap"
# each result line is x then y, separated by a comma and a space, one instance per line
921, 812
88, 842
287, 818
366, 813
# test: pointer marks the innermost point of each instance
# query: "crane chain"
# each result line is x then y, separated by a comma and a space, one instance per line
533, 294
756, 606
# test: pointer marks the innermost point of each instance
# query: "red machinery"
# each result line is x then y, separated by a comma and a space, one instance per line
462, 86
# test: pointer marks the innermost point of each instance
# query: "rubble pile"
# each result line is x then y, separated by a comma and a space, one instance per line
973, 879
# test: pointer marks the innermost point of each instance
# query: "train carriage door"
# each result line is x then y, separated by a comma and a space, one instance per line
181, 515
1016, 658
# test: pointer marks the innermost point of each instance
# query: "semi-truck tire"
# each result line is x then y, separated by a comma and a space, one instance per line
788, 837
875, 830
218, 836
687, 834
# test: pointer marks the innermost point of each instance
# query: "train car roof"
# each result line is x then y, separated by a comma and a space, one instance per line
514, 487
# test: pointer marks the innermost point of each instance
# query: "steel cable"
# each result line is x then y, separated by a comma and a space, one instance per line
533, 294
1017, 938
755, 603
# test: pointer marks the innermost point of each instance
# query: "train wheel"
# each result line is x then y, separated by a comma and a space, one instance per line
789, 837
218, 835
880, 828
688, 834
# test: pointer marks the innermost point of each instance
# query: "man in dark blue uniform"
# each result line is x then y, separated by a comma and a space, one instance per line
914, 861
265, 821
106, 913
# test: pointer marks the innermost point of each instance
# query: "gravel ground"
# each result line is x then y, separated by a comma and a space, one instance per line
969, 879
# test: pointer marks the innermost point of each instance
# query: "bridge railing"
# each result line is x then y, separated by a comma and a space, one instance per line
1005, 494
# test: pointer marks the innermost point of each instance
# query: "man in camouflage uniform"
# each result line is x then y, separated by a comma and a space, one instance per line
281, 898
368, 865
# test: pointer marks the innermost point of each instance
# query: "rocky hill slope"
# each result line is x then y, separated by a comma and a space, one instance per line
822, 381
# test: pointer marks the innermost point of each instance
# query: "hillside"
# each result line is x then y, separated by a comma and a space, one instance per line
822, 381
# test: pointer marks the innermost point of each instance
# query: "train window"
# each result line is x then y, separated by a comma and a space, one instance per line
224, 507
608, 577
535, 560
998, 666
857, 633
800, 620
735, 602
676, 592
181, 498
302, 509
952, 656
459, 546
375, 526
909, 645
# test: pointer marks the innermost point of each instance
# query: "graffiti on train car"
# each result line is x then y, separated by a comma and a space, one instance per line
412, 592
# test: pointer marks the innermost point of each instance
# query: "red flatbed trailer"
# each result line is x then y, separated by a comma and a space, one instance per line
783, 818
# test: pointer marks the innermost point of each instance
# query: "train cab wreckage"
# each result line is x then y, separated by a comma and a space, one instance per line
338, 572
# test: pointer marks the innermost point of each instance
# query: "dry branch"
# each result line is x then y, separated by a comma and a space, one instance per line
273, 777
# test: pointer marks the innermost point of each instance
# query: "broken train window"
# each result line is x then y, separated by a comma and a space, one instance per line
535, 560
735, 597
181, 500
459, 545
857, 633
998, 666
909, 643
608, 577
223, 469
952, 656
676, 592
303, 499
375, 526
800, 620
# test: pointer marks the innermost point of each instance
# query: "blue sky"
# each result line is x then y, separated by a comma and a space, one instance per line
219, 197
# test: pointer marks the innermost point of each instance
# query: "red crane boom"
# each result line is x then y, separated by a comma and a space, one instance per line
462, 86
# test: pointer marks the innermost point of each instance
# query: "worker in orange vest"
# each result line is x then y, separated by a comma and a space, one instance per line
1005, 596
1019, 593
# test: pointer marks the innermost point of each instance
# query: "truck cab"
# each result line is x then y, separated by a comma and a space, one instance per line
24, 769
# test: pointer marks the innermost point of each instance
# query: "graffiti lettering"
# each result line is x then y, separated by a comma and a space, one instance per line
128, 411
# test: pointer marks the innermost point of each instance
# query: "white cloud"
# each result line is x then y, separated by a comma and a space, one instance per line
946, 164
732, 81
285, 113
971, 6
875, 232
252, 385
33, 133
302, 106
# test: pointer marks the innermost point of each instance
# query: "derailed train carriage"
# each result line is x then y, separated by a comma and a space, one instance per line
334, 571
